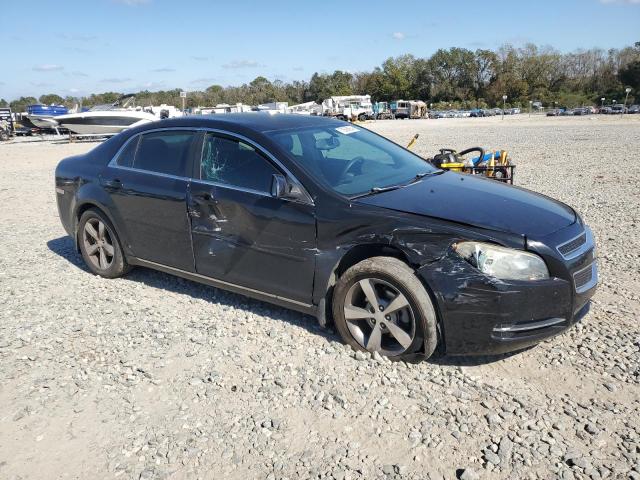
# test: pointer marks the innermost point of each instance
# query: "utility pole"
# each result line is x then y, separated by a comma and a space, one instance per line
183, 95
504, 105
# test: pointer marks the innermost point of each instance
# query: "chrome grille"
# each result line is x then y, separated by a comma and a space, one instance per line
572, 245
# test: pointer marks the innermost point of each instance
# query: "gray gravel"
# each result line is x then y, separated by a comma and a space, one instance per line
151, 376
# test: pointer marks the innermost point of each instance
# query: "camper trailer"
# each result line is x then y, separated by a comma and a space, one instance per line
417, 109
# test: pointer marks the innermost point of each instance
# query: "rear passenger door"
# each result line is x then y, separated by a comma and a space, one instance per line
241, 233
147, 183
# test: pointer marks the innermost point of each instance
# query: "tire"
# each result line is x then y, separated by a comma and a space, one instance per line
100, 246
400, 332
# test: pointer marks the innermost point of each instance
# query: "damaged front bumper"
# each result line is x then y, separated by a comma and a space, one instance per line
484, 315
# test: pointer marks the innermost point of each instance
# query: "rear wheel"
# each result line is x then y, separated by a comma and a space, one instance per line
379, 305
100, 246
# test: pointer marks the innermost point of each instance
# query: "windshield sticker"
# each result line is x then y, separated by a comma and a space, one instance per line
347, 129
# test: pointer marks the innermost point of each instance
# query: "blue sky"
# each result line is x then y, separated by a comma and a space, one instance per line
75, 47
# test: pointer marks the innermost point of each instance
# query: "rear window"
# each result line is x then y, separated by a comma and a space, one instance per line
166, 152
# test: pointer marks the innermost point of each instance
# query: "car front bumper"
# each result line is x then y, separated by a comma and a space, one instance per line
484, 315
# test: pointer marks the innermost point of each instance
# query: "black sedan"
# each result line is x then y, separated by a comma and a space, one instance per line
333, 220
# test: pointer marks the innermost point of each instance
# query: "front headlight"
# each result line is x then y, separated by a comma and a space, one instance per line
501, 262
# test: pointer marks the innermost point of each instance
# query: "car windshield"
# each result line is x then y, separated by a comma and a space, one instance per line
351, 160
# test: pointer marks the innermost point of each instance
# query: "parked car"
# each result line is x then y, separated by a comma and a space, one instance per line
634, 109
553, 113
605, 110
330, 219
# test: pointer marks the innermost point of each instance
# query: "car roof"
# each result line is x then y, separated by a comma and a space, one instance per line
256, 121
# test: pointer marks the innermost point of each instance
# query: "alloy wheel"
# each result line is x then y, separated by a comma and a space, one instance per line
98, 244
379, 317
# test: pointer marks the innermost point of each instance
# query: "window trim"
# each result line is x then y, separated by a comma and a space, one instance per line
306, 198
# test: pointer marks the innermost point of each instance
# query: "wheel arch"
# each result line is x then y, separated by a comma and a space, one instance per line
81, 207
355, 255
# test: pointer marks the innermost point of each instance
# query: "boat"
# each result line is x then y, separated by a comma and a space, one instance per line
108, 119
163, 111
44, 116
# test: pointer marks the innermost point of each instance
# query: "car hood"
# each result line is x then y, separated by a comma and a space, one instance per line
479, 202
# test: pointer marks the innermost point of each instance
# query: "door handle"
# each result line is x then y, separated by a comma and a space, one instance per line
206, 196
115, 183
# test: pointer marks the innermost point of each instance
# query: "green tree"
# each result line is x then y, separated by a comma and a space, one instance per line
51, 98
629, 75
21, 104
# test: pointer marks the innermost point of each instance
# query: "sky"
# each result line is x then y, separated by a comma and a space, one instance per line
77, 47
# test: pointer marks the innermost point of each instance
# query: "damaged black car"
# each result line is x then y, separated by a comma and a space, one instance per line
333, 220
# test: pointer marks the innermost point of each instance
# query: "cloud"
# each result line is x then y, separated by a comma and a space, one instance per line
621, 2
241, 64
74, 90
398, 35
115, 80
48, 68
132, 3
298, 69
79, 74
203, 80
163, 69
200, 59
150, 85
76, 37
40, 84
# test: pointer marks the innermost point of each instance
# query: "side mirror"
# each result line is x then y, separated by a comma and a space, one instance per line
279, 186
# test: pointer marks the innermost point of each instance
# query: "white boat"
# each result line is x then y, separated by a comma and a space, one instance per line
44, 122
106, 119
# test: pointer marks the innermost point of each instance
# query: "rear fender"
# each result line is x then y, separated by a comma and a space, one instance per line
93, 195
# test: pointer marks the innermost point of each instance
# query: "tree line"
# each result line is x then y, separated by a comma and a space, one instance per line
454, 77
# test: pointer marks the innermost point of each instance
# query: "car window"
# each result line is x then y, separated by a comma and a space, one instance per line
166, 152
235, 163
349, 159
351, 147
125, 159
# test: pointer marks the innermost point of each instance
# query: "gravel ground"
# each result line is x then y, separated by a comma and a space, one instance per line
151, 376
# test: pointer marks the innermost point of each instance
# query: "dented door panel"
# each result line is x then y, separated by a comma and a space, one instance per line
251, 239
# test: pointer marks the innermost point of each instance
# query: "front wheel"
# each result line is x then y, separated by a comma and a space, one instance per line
379, 305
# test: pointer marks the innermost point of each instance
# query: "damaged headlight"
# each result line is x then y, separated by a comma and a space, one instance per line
501, 262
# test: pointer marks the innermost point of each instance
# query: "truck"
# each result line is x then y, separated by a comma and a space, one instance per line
348, 107
6, 123
400, 109
382, 111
